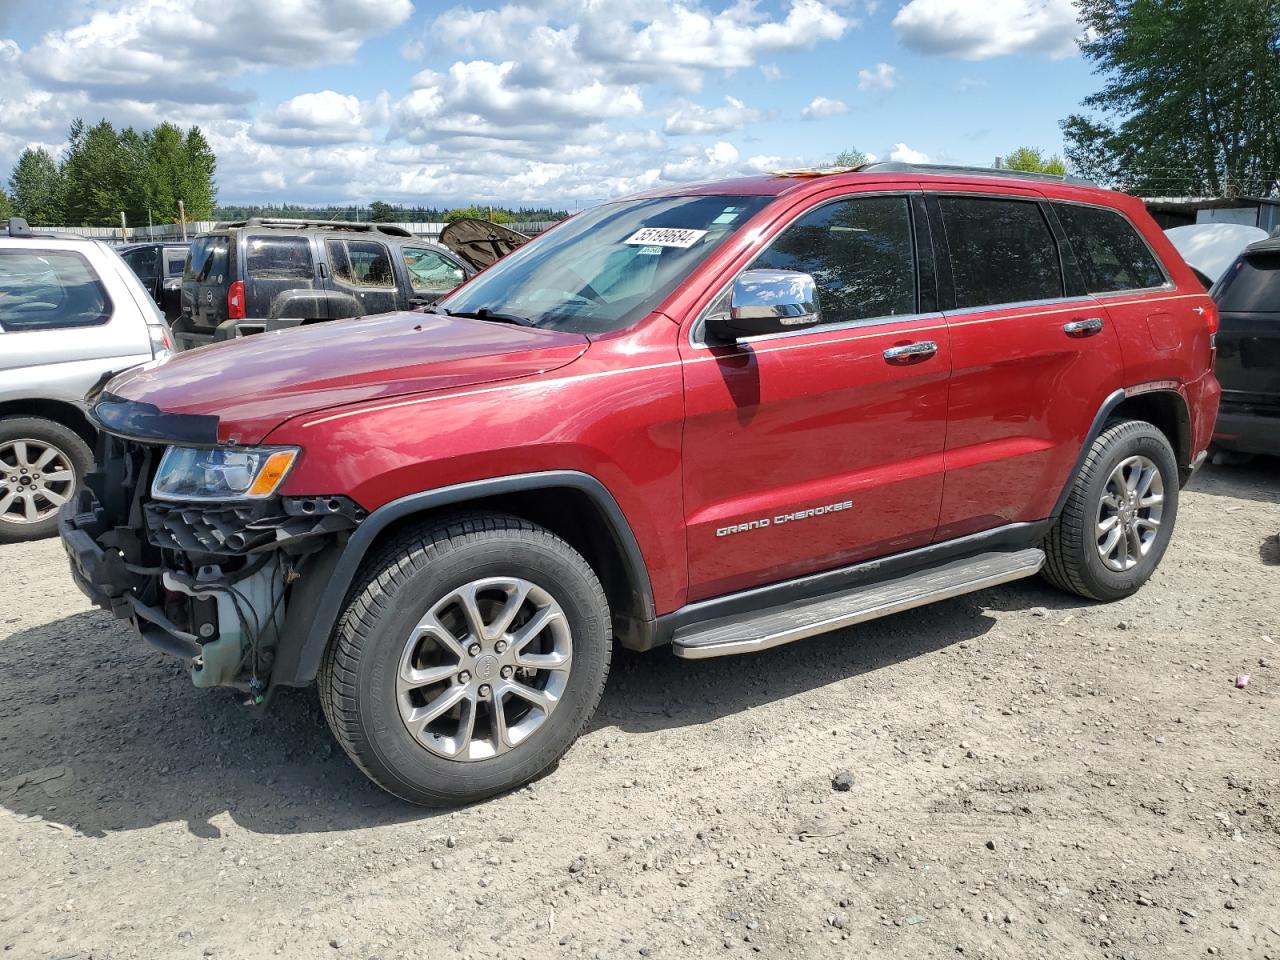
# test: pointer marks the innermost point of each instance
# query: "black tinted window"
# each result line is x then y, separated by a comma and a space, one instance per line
46, 290
1252, 285
1001, 251
208, 260
859, 252
1111, 254
279, 258
363, 263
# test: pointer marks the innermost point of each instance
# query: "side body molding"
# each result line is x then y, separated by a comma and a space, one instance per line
321, 593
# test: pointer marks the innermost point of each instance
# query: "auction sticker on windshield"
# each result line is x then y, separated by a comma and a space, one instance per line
665, 237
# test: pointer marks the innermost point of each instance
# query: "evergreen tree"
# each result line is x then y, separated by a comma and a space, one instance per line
6, 208
95, 175
1033, 160
198, 187
35, 187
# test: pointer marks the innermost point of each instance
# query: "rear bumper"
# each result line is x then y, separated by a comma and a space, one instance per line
1248, 432
188, 338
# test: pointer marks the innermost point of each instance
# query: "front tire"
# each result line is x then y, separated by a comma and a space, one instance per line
41, 464
473, 651
1119, 516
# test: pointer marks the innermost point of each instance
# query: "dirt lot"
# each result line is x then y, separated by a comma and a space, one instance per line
1033, 776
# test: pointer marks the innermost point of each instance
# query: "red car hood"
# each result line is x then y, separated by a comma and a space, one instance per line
255, 384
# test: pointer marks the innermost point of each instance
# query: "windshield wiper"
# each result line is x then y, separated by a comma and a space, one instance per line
484, 313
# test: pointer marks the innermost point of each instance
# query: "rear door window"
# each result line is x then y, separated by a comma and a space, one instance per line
859, 253
1111, 253
1002, 251
49, 290
361, 263
279, 258
430, 271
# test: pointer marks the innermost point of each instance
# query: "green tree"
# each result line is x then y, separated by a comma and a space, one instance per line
380, 212
95, 175
199, 189
36, 187
1188, 102
853, 157
6, 208
492, 214
1033, 160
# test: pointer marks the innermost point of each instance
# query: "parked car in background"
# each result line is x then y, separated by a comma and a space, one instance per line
257, 275
71, 314
480, 242
717, 417
1210, 248
159, 265
1248, 297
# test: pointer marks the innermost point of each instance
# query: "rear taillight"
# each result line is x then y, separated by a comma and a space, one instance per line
235, 301
1212, 318
161, 341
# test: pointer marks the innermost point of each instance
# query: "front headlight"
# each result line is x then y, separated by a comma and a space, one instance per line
221, 473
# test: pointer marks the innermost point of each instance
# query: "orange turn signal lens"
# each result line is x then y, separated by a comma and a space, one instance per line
272, 472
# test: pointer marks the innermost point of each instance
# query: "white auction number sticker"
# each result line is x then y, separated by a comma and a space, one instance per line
665, 237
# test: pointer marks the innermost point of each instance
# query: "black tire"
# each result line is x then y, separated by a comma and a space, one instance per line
71, 449
394, 591
1073, 561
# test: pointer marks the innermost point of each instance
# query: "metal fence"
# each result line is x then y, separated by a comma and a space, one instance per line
173, 231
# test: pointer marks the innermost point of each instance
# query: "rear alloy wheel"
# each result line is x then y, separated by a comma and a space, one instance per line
40, 464
1119, 515
472, 652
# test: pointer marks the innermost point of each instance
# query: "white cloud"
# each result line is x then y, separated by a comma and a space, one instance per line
771, 71
690, 118
326, 117
901, 153
880, 77
159, 48
992, 28
820, 107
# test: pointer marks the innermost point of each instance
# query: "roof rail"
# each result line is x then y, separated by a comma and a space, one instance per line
288, 224
893, 166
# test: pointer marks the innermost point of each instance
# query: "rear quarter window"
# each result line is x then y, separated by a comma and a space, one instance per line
1109, 250
49, 290
279, 258
1251, 285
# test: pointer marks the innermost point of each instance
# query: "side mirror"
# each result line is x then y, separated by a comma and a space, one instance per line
766, 301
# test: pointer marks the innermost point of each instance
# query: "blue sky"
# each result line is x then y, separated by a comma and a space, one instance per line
562, 102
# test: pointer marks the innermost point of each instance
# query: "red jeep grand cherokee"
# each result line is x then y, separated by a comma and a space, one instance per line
716, 418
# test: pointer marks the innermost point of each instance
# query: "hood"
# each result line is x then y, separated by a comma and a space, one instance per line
254, 384
1209, 248
480, 242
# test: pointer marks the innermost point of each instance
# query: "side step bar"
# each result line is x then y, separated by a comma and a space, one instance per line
799, 619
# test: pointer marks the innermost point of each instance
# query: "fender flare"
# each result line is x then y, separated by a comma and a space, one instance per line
322, 591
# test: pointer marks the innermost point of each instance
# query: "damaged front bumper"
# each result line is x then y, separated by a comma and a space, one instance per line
212, 583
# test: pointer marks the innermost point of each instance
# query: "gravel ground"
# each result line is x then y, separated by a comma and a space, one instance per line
1024, 775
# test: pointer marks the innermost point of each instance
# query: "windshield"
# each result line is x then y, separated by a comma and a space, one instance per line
606, 268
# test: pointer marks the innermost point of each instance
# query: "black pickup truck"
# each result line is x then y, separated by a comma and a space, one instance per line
255, 275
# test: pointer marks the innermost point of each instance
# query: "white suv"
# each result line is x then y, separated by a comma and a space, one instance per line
71, 312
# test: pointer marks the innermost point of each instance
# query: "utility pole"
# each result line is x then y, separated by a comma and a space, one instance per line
182, 216
124, 228
151, 227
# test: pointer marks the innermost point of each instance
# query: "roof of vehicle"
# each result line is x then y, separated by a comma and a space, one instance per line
16, 228
153, 243
1269, 245
325, 226
785, 181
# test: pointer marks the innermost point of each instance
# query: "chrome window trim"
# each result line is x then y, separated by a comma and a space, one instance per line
836, 327
1033, 304
1168, 280
699, 324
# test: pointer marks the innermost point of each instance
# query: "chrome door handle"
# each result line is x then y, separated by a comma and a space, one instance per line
1083, 328
911, 352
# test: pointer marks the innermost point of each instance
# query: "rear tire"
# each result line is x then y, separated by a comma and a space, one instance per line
1119, 516
41, 464
471, 654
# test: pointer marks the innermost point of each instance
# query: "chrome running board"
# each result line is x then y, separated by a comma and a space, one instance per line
799, 619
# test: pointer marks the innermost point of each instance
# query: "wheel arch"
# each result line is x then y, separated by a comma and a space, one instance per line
573, 505
59, 411
1164, 408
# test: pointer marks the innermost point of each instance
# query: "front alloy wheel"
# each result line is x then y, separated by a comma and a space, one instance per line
36, 479
472, 652
484, 669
